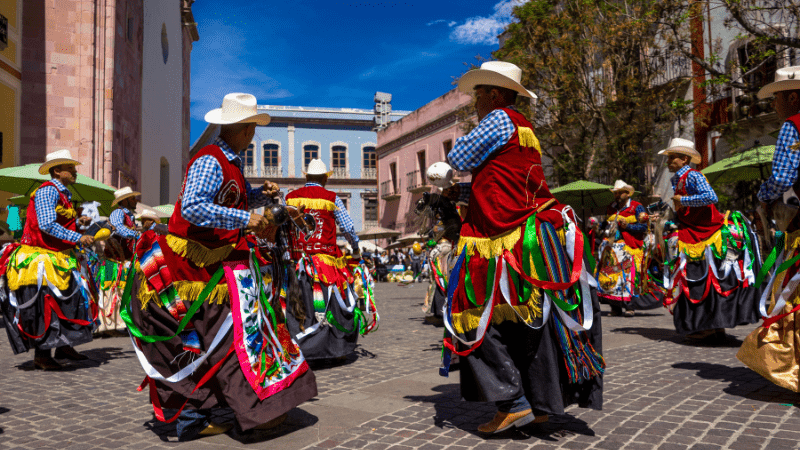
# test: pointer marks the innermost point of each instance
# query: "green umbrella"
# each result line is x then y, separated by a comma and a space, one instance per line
584, 194
165, 209
20, 200
24, 180
753, 164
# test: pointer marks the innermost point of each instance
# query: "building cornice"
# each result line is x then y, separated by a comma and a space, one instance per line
355, 183
431, 127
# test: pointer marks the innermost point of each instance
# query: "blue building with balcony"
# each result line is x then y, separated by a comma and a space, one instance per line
343, 138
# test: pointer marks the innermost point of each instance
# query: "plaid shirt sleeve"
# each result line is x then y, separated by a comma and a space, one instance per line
700, 193
117, 218
637, 227
471, 150
345, 223
785, 162
202, 184
46, 201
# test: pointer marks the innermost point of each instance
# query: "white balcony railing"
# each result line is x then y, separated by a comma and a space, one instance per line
272, 172
339, 172
369, 172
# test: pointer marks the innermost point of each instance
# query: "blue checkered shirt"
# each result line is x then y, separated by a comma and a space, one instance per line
492, 133
117, 218
698, 191
343, 220
45, 203
203, 184
785, 162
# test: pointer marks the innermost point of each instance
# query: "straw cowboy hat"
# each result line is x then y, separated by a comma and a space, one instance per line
682, 147
494, 73
149, 214
317, 167
122, 194
57, 158
237, 108
786, 79
620, 185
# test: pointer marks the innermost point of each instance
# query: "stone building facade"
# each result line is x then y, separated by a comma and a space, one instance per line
342, 137
405, 150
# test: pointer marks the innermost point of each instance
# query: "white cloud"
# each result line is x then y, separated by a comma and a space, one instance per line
218, 70
450, 24
484, 30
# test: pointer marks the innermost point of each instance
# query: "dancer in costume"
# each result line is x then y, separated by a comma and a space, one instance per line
710, 286
522, 306
118, 254
46, 300
207, 331
622, 277
332, 321
772, 349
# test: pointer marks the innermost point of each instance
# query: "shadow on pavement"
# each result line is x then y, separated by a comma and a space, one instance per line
452, 412
97, 358
3, 411
359, 352
669, 334
743, 382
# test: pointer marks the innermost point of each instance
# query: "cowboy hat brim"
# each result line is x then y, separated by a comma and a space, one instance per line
479, 77
45, 168
627, 187
695, 156
123, 197
327, 174
777, 86
215, 117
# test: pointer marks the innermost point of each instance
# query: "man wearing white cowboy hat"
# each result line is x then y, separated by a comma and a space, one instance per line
48, 240
624, 288
770, 350
513, 356
123, 217
700, 312
324, 269
149, 219
208, 240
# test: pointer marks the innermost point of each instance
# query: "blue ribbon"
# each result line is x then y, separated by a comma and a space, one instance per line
452, 284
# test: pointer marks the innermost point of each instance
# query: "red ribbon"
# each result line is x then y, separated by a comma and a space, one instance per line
51, 306
771, 320
158, 411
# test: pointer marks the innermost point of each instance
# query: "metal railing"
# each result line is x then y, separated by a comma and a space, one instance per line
272, 171
339, 172
388, 190
250, 171
369, 172
370, 224
416, 180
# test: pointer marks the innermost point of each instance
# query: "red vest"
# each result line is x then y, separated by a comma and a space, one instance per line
232, 194
324, 238
33, 236
631, 240
696, 223
507, 188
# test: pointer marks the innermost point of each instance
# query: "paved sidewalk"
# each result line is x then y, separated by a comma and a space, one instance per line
660, 393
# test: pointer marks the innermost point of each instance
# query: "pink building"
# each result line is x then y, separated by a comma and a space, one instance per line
405, 150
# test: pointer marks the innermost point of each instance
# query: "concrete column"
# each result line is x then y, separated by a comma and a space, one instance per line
290, 156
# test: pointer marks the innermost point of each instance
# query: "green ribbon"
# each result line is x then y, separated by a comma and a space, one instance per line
24, 264
358, 321
126, 303
773, 256
538, 262
469, 288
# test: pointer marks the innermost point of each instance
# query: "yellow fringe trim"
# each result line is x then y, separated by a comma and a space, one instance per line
68, 213
697, 251
312, 203
468, 320
188, 291
629, 219
196, 252
793, 239
528, 139
28, 276
339, 263
107, 285
490, 247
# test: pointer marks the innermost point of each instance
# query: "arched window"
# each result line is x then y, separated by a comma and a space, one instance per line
310, 151
339, 157
369, 161
271, 151
163, 196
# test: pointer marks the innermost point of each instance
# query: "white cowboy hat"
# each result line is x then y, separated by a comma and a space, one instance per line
317, 167
149, 214
57, 158
494, 73
786, 79
237, 108
683, 147
441, 175
122, 194
620, 185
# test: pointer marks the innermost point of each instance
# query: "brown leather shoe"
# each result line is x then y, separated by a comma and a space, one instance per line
629, 313
46, 363
272, 423
503, 421
214, 429
69, 353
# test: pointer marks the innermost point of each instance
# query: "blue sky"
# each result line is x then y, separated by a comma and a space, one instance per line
337, 53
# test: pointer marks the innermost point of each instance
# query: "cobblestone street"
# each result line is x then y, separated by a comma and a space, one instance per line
660, 393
